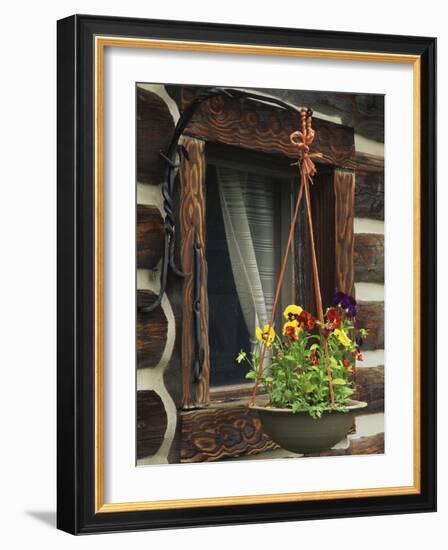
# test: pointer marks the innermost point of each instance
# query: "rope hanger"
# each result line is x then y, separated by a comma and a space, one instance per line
302, 139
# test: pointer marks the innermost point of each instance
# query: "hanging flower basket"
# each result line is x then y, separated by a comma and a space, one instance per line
308, 371
308, 376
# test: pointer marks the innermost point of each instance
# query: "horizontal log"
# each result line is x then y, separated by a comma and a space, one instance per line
150, 234
371, 317
369, 195
151, 423
369, 387
155, 128
370, 445
152, 330
222, 431
369, 258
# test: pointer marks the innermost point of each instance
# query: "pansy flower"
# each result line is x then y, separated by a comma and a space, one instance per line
334, 318
306, 320
265, 335
342, 337
346, 302
292, 312
291, 330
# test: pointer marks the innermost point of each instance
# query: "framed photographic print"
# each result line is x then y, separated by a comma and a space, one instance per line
246, 267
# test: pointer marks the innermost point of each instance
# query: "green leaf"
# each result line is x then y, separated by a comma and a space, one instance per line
339, 382
309, 387
251, 375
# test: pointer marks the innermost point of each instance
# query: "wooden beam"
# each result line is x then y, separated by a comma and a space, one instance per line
151, 423
150, 235
155, 129
371, 316
369, 196
369, 387
344, 191
373, 444
369, 258
193, 230
151, 331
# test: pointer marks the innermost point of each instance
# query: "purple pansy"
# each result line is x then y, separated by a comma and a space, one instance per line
346, 302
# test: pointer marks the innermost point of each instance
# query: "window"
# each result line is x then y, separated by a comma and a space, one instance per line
249, 202
245, 222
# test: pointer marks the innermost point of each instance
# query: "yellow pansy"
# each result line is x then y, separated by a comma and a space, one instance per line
291, 311
342, 337
265, 335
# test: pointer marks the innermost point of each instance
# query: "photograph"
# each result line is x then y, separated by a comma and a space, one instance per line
259, 274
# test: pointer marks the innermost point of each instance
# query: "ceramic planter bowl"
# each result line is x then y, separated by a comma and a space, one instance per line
300, 433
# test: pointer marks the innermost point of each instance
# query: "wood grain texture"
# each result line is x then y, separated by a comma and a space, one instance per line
222, 432
369, 195
369, 258
344, 192
150, 233
360, 446
261, 127
151, 331
155, 128
371, 316
151, 423
369, 387
367, 163
192, 228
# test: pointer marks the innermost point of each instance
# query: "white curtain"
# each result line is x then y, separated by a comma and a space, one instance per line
248, 206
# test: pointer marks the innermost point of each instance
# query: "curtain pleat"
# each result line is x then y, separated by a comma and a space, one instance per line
248, 207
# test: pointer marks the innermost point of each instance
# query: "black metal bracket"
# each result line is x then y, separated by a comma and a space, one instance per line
198, 352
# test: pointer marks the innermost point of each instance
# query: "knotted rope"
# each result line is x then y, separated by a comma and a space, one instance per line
301, 139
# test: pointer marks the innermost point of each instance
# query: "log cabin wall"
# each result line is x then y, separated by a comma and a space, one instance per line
159, 333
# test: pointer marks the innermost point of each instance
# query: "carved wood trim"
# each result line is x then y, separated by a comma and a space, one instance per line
222, 431
264, 128
191, 227
344, 191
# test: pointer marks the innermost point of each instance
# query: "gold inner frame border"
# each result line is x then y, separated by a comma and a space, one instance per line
100, 43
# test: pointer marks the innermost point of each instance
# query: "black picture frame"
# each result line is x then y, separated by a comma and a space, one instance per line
76, 258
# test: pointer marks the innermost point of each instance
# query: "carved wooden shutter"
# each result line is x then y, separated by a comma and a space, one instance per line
195, 392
